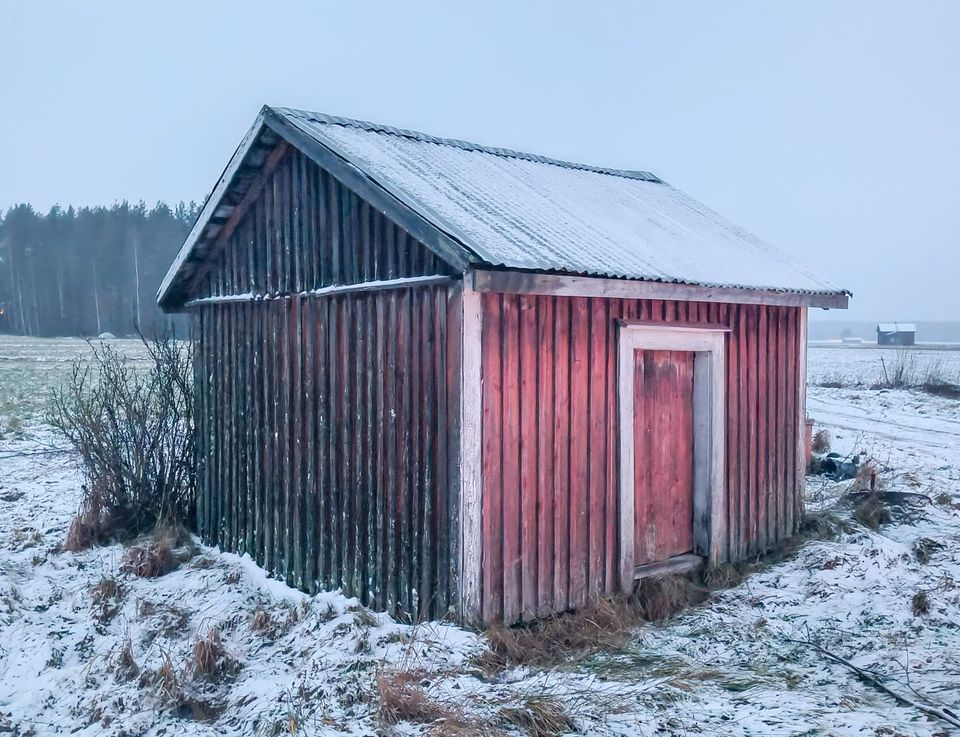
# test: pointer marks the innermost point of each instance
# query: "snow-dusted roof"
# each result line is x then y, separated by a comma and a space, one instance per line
529, 212
897, 327
522, 211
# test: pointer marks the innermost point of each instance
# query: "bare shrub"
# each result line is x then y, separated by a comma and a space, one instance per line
902, 371
538, 717
133, 431
401, 697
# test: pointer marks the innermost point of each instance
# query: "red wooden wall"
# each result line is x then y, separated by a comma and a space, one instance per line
549, 441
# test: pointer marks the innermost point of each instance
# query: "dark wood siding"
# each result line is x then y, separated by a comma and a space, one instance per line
323, 443
327, 423
549, 441
305, 230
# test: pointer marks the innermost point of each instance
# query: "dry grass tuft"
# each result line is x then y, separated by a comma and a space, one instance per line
822, 525
660, 597
920, 604
106, 596
601, 626
459, 726
126, 667
211, 660
152, 558
168, 681
263, 622
924, 548
402, 697
723, 576
871, 512
821, 442
81, 535
538, 717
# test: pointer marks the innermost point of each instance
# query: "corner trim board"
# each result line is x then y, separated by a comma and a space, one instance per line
471, 469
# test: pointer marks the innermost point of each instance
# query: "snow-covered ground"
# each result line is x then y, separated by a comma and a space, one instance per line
868, 365
309, 665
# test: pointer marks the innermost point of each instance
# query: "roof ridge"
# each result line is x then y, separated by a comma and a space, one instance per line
464, 145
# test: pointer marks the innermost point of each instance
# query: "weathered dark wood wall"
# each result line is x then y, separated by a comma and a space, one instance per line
549, 441
302, 230
324, 433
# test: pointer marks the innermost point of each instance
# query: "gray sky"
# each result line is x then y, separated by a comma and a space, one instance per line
829, 129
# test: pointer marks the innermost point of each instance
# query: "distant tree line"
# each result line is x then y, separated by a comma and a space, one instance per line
87, 271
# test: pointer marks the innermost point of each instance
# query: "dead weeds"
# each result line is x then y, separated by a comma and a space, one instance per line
126, 667
402, 697
872, 512
604, 625
107, 597
661, 597
538, 717
210, 660
920, 604
924, 548
821, 442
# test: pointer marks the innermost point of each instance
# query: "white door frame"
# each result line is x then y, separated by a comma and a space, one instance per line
709, 518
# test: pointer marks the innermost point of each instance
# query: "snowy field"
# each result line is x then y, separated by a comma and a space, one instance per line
87, 649
865, 365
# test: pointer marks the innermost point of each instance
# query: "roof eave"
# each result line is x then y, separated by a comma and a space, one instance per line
515, 281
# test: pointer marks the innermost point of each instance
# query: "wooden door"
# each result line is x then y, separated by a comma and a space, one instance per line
663, 454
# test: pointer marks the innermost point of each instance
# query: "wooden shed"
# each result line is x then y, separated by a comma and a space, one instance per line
896, 333
448, 377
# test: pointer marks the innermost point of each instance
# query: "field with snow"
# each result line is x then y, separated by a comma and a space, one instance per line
87, 648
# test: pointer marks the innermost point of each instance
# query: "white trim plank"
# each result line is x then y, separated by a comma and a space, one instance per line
709, 435
379, 285
471, 468
522, 282
801, 450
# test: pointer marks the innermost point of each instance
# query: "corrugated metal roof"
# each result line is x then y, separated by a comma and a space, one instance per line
897, 327
525, 211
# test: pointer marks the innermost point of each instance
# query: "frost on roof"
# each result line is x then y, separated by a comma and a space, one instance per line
527, 212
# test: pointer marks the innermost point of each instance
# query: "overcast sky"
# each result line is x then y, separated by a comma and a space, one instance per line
831, 129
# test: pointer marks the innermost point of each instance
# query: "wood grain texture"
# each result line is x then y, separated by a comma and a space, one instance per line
576, 428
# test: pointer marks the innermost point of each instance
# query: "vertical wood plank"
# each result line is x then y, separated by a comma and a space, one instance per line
510, 457
529, 431
597, 409
561, 445
579, 454
492, 478
546, 422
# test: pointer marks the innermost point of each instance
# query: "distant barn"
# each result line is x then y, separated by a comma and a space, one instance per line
442, 376
896, 333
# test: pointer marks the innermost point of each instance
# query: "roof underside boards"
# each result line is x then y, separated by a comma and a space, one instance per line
482, 206
527, 212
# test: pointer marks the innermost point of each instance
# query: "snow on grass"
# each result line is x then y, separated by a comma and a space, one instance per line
864, 366
316, 665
